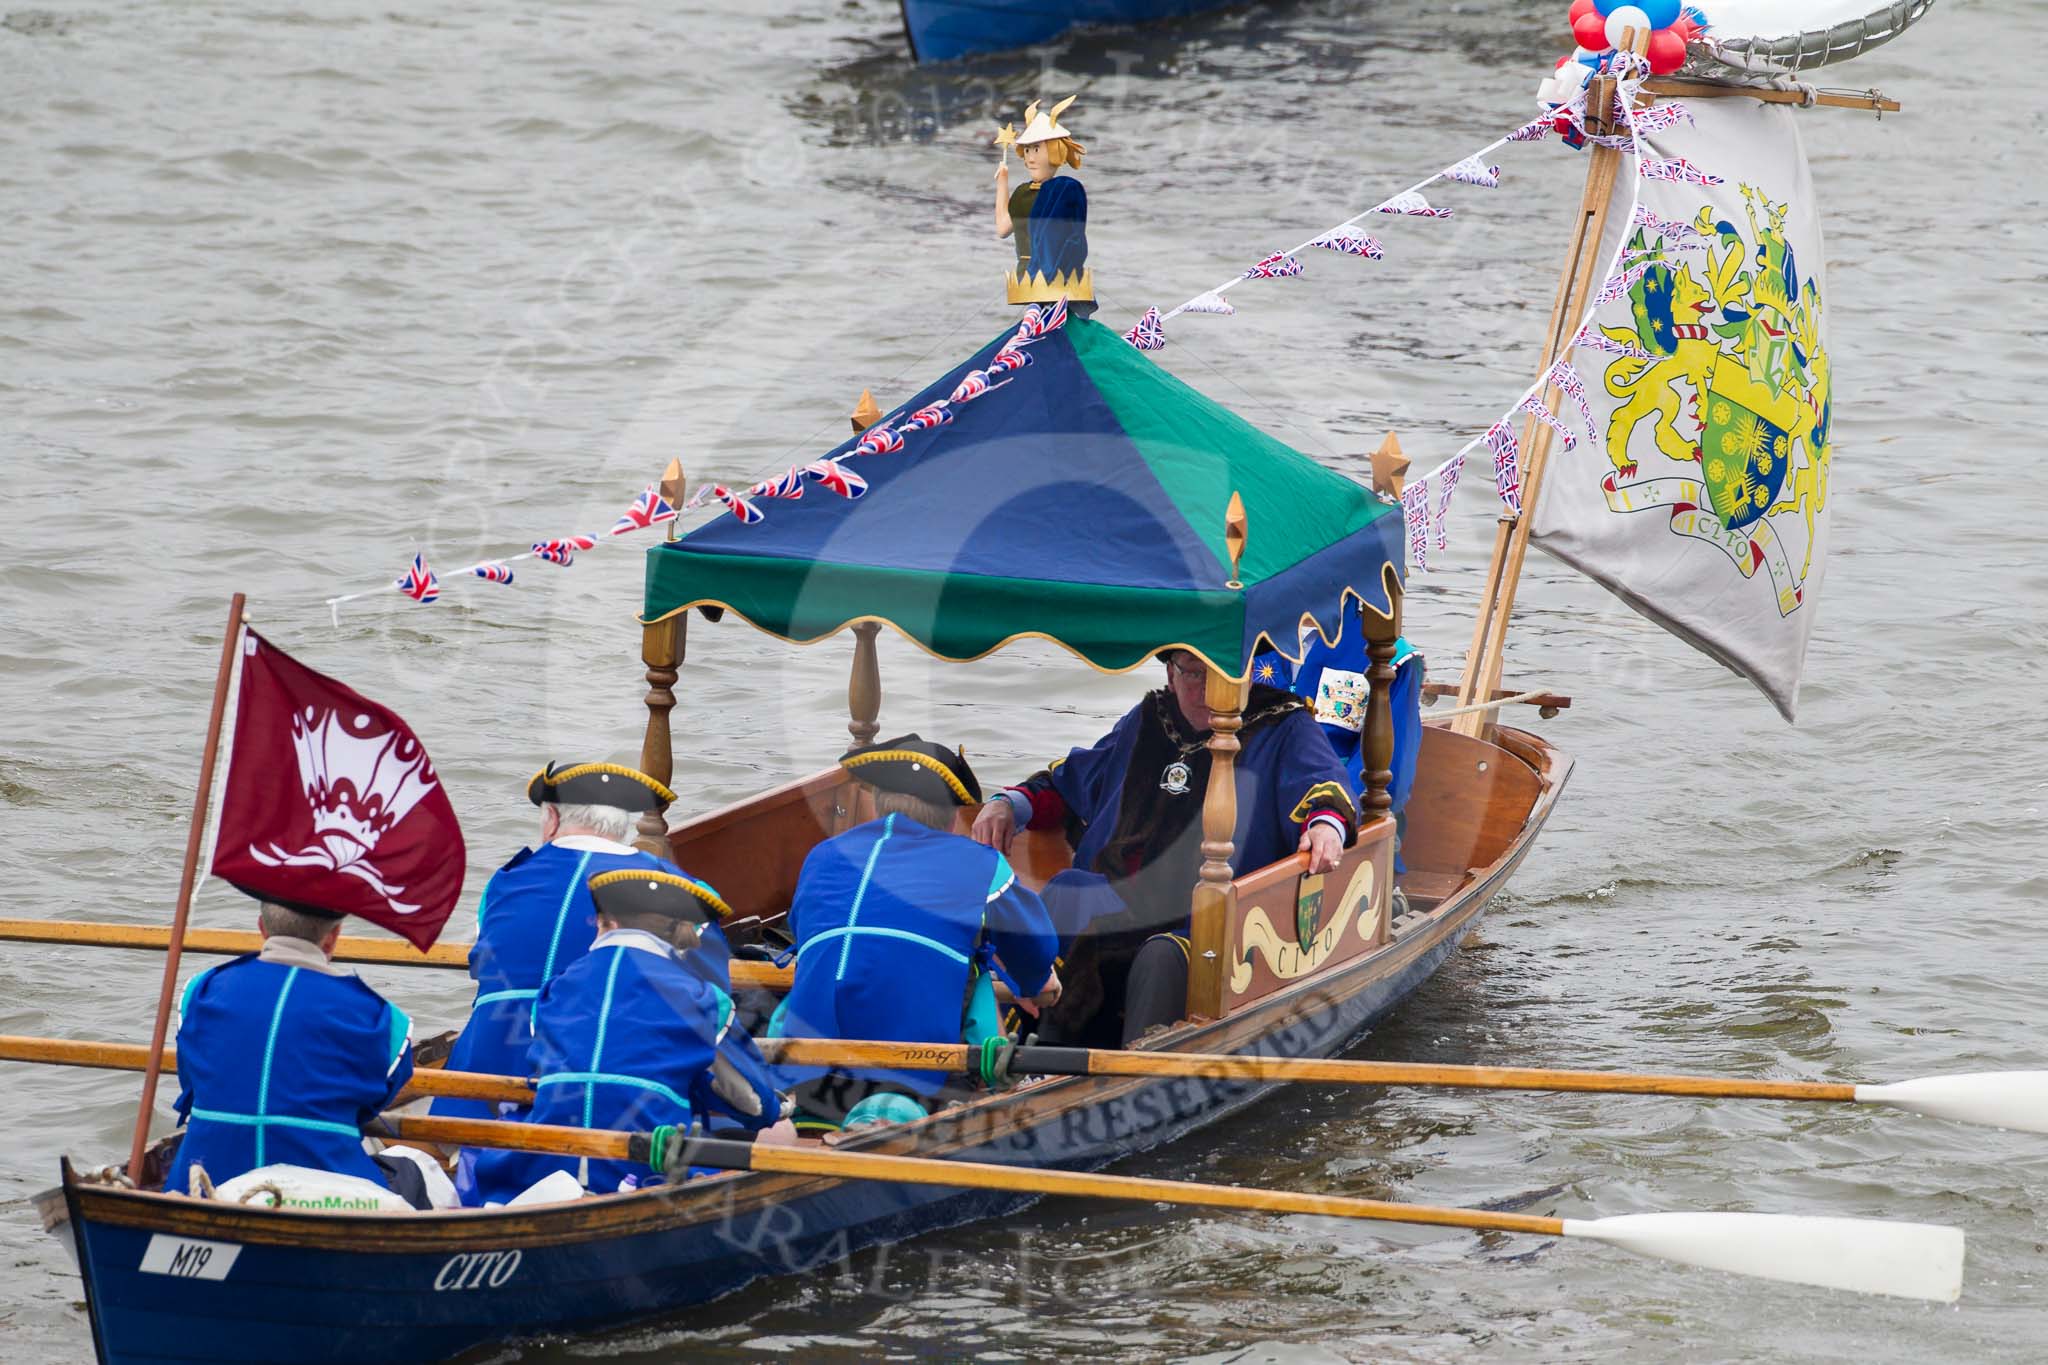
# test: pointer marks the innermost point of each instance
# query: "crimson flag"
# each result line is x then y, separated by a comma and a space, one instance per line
332, 803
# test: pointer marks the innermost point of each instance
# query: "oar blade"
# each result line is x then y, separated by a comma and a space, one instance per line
1910, 1260
1996, 1099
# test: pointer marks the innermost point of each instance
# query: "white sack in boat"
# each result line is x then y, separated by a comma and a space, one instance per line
302, 1187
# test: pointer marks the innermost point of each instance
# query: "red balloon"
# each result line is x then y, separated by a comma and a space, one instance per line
1580, 9
1591, 32
1666, 52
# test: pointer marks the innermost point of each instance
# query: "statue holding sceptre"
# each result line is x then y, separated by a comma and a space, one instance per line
1047, 215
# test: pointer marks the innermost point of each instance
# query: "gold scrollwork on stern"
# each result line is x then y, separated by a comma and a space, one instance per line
1318, 929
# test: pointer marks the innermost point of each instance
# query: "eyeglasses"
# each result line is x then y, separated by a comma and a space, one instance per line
1186, 668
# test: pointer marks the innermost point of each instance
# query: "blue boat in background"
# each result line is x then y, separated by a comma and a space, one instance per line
941, 30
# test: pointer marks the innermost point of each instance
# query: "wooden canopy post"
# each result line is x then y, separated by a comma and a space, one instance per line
1575, 285
662, 646
1215, 896
864, 685
1380, 634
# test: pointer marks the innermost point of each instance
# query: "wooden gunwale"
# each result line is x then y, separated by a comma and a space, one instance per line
982, 1120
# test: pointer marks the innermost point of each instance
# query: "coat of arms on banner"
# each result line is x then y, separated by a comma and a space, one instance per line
1702, 500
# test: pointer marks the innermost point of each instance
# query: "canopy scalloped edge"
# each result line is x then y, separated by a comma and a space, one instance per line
1390, 583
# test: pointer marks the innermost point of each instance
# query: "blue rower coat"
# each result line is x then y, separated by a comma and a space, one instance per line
624, 1039
283, 1064
888, 918
535, 919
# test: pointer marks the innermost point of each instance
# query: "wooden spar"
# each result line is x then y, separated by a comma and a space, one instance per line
235, 942
661, 648
1673, 87
464, 1085
1215, 896
195, 836
1575, 285
864, 685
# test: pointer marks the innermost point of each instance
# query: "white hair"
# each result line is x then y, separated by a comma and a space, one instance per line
607, 822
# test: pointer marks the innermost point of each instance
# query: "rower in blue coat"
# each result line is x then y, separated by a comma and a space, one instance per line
899, 923
284, 1056
630, 1037
536, 916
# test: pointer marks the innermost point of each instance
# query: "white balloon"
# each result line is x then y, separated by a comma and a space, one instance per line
1626, 16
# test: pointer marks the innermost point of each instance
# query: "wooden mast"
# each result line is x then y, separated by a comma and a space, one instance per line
864, 682
1215, 895
195, 836
1575, 285
661, 649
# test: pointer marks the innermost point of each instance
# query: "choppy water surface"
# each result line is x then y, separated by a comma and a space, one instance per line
288, 292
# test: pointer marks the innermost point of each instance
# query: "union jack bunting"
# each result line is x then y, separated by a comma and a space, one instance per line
1507, 472
1149, 334
562, 550
1041, 318
1415, 516
837, 478
1412, 204
1278, 266
927, 417
1572, 386
1619, 285
972, 387
1594, 339
1536, 129
1471, 171
419, 582
1440, 512
1351, 242
738, 505
1659, 117
1211, 302
788, 484
1536, 406
649, 509
1678, 171
1671, 230
1009, 358
497, 571
879, 440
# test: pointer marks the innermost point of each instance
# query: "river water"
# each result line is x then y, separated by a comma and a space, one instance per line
288, 293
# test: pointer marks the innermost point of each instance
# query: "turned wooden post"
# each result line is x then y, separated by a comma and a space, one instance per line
1378, 753
662, 646
1215, 897
864, 685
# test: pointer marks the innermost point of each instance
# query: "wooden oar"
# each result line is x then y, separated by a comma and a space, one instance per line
1999, 1099
1912, 1260
235, 942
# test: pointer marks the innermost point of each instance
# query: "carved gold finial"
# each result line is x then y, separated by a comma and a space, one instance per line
1389, 467
866, 412
673, 486
1234, 533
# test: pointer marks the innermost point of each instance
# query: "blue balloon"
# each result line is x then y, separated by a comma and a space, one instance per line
1663, 13
1607, 7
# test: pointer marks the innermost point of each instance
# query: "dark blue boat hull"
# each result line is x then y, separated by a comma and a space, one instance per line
941, 30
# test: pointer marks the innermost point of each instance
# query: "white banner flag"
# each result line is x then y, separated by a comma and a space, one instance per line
1703, 503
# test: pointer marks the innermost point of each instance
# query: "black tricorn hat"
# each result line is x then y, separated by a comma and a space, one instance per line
632, 891
915, 767
597, 784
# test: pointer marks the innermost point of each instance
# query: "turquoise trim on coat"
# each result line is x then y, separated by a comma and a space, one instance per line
1003, 879
597, 1078
401, 1036
852, 929
269, 1053
604, 1019
853, 916
547, 970
260, 1122
495, 996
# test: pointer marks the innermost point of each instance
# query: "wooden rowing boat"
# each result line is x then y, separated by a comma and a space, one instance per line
171, 1278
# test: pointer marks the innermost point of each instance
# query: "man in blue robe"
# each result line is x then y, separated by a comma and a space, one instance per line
536, 916
284, 1056
898, 922
1131, 805
631, 1037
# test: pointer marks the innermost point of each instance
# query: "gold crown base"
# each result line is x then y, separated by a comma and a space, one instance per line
1036, 288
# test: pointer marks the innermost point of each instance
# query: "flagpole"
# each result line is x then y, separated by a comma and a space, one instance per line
194, 838
1581, 274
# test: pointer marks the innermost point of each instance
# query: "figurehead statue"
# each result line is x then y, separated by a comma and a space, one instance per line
1047, 214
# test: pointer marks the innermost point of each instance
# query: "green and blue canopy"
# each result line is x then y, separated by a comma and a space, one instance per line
1084, 502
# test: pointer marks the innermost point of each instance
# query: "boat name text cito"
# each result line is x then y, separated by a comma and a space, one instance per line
189, 1258
1301, 953
477, 1269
